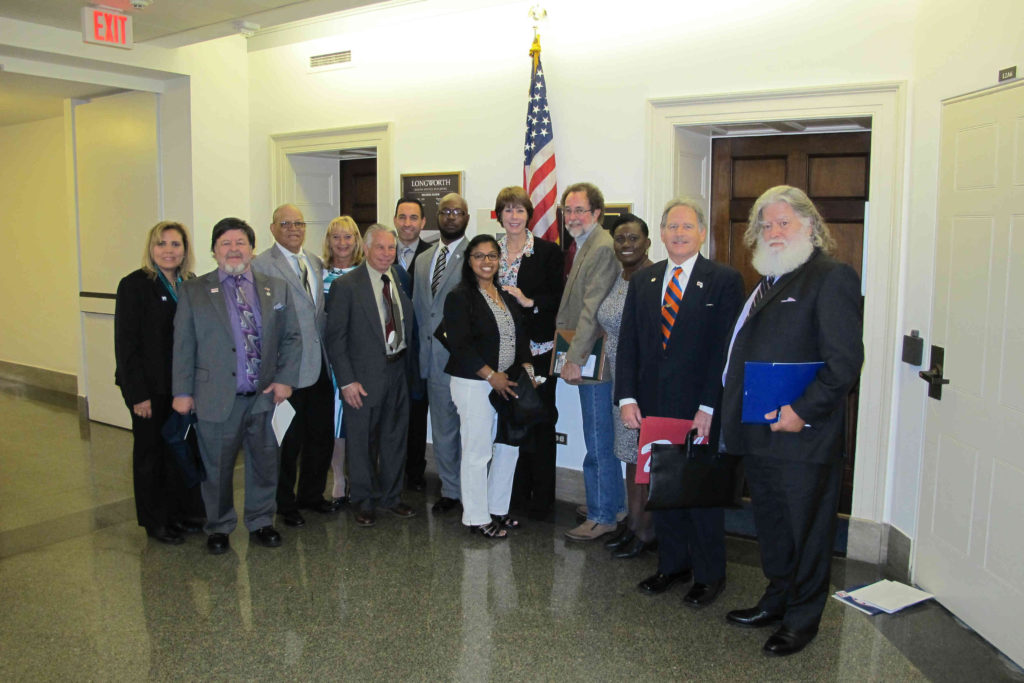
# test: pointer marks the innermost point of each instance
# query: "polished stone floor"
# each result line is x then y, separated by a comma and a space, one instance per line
84, 595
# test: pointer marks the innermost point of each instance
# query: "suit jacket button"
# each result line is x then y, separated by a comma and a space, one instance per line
232, 374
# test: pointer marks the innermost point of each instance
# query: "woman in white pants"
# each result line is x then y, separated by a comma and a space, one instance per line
485, 337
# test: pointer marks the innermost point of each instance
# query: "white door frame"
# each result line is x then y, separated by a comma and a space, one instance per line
885, 103
369, 135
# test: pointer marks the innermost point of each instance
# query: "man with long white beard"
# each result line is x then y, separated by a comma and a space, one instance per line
806, 308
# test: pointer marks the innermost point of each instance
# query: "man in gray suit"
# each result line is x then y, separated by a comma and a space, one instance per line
436, 273
593, 272
236, 355
369, 327
310, 438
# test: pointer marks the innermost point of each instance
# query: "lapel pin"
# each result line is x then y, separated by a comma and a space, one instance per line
653, 279
214, 290
700, 284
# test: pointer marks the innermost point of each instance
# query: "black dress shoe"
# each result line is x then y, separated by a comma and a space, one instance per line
635, 549
266, 537
417, 484
445, 504
703, 594
164, 535
659, 583
186, 526
340, 502
324, 507
366, 518
785, 642
293, 518
623, 539
402, 510
217, 544
753, 617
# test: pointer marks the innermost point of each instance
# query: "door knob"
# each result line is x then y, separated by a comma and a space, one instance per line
933, 375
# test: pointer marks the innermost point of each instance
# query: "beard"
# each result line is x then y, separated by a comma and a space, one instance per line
772, 262
235, 270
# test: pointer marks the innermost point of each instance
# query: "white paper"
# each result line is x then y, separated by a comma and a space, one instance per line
283, 414
890, 596
590, 367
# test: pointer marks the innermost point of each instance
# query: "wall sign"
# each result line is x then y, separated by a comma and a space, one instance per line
429, 188
104, 26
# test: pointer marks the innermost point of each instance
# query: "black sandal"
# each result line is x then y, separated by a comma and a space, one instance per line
506, 521
492, 530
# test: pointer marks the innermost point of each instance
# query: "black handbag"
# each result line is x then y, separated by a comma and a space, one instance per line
688, 475
517, 415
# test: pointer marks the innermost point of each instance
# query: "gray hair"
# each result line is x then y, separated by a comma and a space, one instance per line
798, 200
697, 207
373, 231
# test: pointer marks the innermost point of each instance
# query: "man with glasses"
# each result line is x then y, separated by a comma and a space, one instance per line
437, 272
308, 444
593, 272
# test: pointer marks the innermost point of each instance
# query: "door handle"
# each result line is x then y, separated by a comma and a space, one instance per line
933, 375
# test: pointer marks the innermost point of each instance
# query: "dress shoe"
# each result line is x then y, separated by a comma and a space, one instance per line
589, 531
293, 518
165, 535
623, 539
266, 537
659, 583
417, 484
635, 549
186, 526
324, 507
217, 544
445, 504
366, 518
703, 594
402, 510
753, 617
785, 642
340, 502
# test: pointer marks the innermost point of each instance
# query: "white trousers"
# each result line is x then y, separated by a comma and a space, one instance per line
484, 492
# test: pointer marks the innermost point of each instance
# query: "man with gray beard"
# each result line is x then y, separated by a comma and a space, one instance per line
806, 308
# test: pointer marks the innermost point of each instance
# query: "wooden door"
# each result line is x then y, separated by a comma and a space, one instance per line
968, 550
833, 170
359, 191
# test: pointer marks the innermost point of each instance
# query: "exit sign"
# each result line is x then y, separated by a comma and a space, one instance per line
106, 27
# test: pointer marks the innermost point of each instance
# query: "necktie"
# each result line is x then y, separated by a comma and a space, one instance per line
304, 275
670, 305
251, 336
569, 259
442, 261
392, 331
767, 282
406, 253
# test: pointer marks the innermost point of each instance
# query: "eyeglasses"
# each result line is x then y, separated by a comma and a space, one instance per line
575, 210
478, 256
288, 225
452, 212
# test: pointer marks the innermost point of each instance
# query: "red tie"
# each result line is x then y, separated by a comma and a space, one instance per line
569, 260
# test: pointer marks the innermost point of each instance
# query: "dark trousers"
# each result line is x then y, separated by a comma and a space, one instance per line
375, 447
160, 493
307, 446
533, 488
795, 507
691, 538
416, 447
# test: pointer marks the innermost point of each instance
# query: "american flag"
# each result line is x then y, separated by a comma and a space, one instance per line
539, 152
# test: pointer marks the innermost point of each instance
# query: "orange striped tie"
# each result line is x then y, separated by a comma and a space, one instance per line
670, 305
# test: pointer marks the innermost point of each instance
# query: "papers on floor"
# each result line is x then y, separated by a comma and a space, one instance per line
882, 596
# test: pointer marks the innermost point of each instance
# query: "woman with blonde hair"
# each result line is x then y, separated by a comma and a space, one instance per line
343, 250
147, 300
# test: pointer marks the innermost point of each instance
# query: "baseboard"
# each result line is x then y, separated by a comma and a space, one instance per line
41, 378
898, 553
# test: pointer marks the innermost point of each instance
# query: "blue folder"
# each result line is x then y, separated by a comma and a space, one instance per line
769, 386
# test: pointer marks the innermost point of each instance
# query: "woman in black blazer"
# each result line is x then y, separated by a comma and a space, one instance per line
143, 338
486, 339
532, 271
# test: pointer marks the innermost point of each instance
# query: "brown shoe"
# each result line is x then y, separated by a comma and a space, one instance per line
402, 510
589, 531
366, 518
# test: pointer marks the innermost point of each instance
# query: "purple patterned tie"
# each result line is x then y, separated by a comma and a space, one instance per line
247, 321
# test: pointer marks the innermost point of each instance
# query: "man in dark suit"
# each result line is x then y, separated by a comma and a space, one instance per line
409, 222
310, 437
237, 349
369, 324
672, 341
807, 308
437, 272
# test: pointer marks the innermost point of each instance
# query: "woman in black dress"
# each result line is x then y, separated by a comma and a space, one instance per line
143, 339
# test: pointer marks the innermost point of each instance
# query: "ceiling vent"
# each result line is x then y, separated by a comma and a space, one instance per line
330, 60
